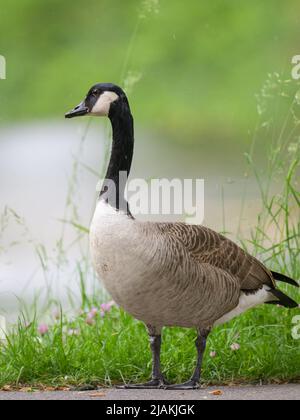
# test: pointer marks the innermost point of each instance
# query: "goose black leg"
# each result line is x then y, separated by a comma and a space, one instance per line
158, 381
194, 382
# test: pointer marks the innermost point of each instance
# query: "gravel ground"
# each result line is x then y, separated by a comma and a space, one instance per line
269, 392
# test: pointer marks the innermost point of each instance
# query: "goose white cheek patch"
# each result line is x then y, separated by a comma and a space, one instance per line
102, 106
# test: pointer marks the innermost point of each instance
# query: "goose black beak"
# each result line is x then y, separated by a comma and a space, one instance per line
78, 111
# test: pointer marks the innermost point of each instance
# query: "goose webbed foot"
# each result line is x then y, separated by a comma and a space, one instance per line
153, 384
192, 384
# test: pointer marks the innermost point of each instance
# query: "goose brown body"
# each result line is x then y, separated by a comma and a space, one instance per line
172, 274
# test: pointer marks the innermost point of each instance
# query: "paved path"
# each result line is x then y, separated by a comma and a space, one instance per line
270, 392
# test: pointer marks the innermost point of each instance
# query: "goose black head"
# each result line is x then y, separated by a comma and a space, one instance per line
100, 101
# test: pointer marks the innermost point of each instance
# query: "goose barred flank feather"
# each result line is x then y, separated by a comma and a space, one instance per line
205, 246
231, 267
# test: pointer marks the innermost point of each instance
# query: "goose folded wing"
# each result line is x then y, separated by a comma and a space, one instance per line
209, 247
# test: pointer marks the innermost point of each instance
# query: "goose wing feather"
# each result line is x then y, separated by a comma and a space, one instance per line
215, 250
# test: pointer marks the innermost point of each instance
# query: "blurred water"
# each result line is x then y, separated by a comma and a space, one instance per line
36, 163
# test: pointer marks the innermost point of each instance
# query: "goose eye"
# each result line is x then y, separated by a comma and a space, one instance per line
95, 92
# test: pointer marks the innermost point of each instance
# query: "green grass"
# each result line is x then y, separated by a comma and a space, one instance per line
115, 348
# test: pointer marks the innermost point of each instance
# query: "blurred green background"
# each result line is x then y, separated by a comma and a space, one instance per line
197, 64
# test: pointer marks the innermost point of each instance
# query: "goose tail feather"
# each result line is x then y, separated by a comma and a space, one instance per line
282, 299
284, 279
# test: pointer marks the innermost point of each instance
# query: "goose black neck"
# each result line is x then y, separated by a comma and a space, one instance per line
121, 156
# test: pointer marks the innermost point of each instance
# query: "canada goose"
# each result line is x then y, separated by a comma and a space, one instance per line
167, 274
